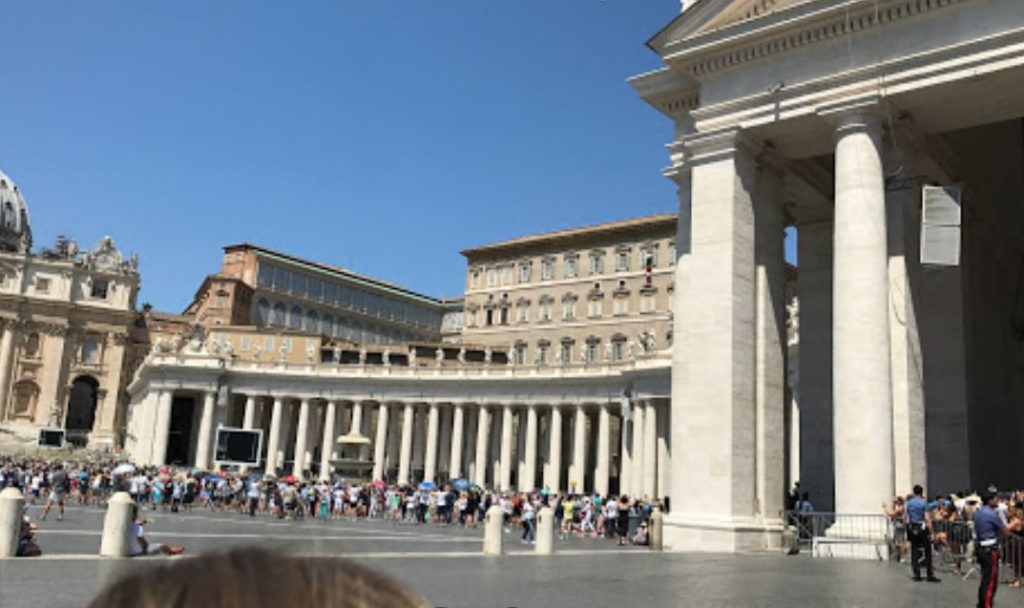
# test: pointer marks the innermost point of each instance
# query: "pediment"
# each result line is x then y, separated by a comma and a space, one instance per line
704, 16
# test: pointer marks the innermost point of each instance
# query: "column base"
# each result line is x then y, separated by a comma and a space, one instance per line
695, 534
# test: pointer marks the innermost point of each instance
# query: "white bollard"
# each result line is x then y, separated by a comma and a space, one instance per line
117, 526
12, 510
493, 538
654, 531
545, 531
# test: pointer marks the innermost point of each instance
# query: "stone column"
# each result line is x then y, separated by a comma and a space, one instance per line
394, 437
817, 473
430, 459
162, 427
455, 460
405, 458
301, 438
625, 455
713, 495
650, 477
602, 469
770, 340
483, 430
287, 432
529, 481
860, 322
579, 450
204, 440
6, 360
327, 443
519, 442
444, 444
249, 417
639, 450
274, 440
664, 450
380, 443
554, 482
356, 424
505, 480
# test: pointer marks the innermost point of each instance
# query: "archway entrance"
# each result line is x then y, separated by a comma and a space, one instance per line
81, 409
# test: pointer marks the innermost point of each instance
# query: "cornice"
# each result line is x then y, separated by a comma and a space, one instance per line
789, 29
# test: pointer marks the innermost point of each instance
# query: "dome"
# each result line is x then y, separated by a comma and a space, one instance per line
15, 230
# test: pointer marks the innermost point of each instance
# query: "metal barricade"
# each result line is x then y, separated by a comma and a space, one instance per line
826, 534
953, 546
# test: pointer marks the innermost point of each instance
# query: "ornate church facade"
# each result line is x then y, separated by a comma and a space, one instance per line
66, 316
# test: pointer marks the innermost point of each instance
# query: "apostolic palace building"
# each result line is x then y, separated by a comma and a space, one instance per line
673, 356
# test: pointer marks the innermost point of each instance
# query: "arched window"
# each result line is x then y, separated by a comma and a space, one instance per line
263, 312
327, 327
357, 332
280, 315
370, 335
312, 321
295, 319
341, 330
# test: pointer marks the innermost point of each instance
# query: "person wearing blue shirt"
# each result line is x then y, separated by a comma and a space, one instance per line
919, 532
988, 528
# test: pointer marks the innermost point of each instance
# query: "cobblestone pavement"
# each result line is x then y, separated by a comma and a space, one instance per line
445, 565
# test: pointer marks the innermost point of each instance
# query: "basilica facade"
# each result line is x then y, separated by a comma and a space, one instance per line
66, 316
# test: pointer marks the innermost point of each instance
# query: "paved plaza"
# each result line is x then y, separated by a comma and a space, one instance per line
445, 565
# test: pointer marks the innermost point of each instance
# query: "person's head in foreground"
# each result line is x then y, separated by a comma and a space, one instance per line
254, 578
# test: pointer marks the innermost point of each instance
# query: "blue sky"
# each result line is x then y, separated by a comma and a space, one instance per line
381, 136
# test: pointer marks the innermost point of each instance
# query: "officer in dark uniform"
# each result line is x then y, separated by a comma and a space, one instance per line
988, 529
919, 531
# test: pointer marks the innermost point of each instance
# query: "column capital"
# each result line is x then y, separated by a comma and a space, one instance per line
860, 113
721, 144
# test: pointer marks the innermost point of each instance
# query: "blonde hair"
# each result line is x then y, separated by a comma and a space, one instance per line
253, 578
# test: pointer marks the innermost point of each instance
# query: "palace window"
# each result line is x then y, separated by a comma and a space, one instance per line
295, 318
621, 261
246, 342
474, 279
568, 309
504, 315
265, 276
91, 347
523, 313
524, 272
571, 266
519, 353
545, 310
506, 275
618, 348
671, 254
648, 303
99, 290
566, 350
592, 349
547, 269
596, 262
328, 326
298, 284
542, 352
280, 315
492, 277
621, 306
312, 321
42, 285
595, 308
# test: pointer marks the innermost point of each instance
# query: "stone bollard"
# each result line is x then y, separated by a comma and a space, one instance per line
655, 538
117, 526
493, 539
12, 510
545, 531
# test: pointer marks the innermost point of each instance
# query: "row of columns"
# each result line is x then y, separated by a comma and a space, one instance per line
477, 441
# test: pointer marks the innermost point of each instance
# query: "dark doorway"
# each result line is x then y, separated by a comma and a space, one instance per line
179, 439
81, 409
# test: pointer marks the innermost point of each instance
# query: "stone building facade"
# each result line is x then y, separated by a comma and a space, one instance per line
66, 316
584, 295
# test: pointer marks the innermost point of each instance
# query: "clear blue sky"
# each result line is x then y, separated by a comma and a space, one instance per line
378, 135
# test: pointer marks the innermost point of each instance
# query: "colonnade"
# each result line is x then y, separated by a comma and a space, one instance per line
569, 447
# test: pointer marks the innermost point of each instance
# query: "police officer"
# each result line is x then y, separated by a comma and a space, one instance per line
919, 531
988, 528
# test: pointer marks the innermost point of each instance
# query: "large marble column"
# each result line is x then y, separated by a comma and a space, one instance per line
162, 428
554, 480
455, 460
860, 322
639, 451
6, 360
579, 451
625, 453
664, 450
483, 431
380, 443
529, 480
770, 340
713, 376
301, 437
817, 455
327, 442
505, 481
274, 440
444, 442
650, 477
249, 415
430, 459
405, 458
204, 440
602, 469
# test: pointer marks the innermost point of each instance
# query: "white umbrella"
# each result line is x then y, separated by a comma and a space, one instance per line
123, 469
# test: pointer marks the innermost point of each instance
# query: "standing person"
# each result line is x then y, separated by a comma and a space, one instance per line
988, 529
59, 485
529, 530
919, 531
623, 521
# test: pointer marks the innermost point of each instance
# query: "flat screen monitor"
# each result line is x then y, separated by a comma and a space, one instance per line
238, 446
51, 438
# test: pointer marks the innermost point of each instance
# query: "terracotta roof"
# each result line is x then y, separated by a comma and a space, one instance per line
571, 233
